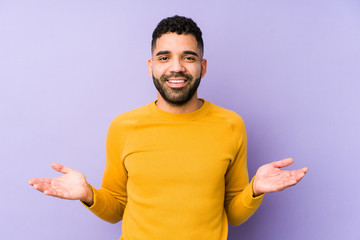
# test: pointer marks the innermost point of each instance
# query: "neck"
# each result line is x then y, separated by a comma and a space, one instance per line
191, 106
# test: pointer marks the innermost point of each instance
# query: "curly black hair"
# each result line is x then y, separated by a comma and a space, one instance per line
180, 25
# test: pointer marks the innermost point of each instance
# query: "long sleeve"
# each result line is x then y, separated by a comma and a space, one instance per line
111, 198
239, 201
168, 174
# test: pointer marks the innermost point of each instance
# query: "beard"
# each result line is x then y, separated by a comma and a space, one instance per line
177, 96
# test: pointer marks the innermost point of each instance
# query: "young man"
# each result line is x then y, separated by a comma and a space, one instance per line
175, 168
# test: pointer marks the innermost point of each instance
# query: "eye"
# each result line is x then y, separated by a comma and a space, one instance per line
189, 58
163, 58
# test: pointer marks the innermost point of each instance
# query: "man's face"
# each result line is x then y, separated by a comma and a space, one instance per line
177, 67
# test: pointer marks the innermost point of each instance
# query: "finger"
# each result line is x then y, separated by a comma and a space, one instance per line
32, 181
39, 181
48, 189
42, 186
300, 173
289, 183
60, 168
283, 163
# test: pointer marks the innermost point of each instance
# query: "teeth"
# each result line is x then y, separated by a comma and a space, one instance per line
176, 81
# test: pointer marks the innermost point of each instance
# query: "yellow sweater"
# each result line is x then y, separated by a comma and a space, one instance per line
176, 176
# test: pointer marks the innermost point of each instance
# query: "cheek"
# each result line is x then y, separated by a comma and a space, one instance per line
158, 71
195, 71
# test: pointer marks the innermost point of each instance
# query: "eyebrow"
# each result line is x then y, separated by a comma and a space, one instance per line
191, 53
185, 52
162, 53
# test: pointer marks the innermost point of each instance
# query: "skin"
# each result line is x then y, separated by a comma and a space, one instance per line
71, 185
271, 178
173, 53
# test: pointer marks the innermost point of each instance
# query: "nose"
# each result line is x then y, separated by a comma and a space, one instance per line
177, 66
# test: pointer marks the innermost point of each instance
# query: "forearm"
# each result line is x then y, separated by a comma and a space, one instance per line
106, 206
243, 206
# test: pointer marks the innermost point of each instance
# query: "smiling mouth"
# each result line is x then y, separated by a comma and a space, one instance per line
176, 83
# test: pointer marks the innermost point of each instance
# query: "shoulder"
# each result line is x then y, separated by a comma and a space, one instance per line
134, 114
235, 123
227, 115
130, 118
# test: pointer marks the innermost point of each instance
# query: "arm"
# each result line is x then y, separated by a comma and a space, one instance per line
109, 201
111, 198
243, 199
240, 203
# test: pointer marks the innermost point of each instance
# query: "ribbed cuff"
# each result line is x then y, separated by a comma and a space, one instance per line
248, 199
94, 198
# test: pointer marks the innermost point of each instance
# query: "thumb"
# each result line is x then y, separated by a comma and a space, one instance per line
60, 168
283, 163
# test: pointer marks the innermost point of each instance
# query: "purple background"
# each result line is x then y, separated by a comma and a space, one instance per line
289, 68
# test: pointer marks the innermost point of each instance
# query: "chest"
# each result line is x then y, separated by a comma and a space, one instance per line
178, 153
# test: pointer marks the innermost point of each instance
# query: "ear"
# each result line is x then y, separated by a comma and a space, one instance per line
203, 67
150, 67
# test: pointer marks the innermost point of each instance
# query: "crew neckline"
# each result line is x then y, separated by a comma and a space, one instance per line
180, 116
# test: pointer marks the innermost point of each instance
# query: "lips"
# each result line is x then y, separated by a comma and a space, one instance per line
176, 83
176, 80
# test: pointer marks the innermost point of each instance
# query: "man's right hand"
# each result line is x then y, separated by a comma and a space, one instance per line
72, 185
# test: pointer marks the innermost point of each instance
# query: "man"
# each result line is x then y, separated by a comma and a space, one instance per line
175, 168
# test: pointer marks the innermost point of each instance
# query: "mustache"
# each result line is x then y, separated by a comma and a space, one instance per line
176, 75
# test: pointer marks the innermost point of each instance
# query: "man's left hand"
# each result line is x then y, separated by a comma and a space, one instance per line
270, 178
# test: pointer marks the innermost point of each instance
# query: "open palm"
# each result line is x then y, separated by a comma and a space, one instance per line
72, 185
270, 178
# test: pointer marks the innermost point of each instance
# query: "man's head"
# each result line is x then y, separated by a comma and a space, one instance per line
177, 65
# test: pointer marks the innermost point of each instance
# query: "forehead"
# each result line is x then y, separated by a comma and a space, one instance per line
174, 42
